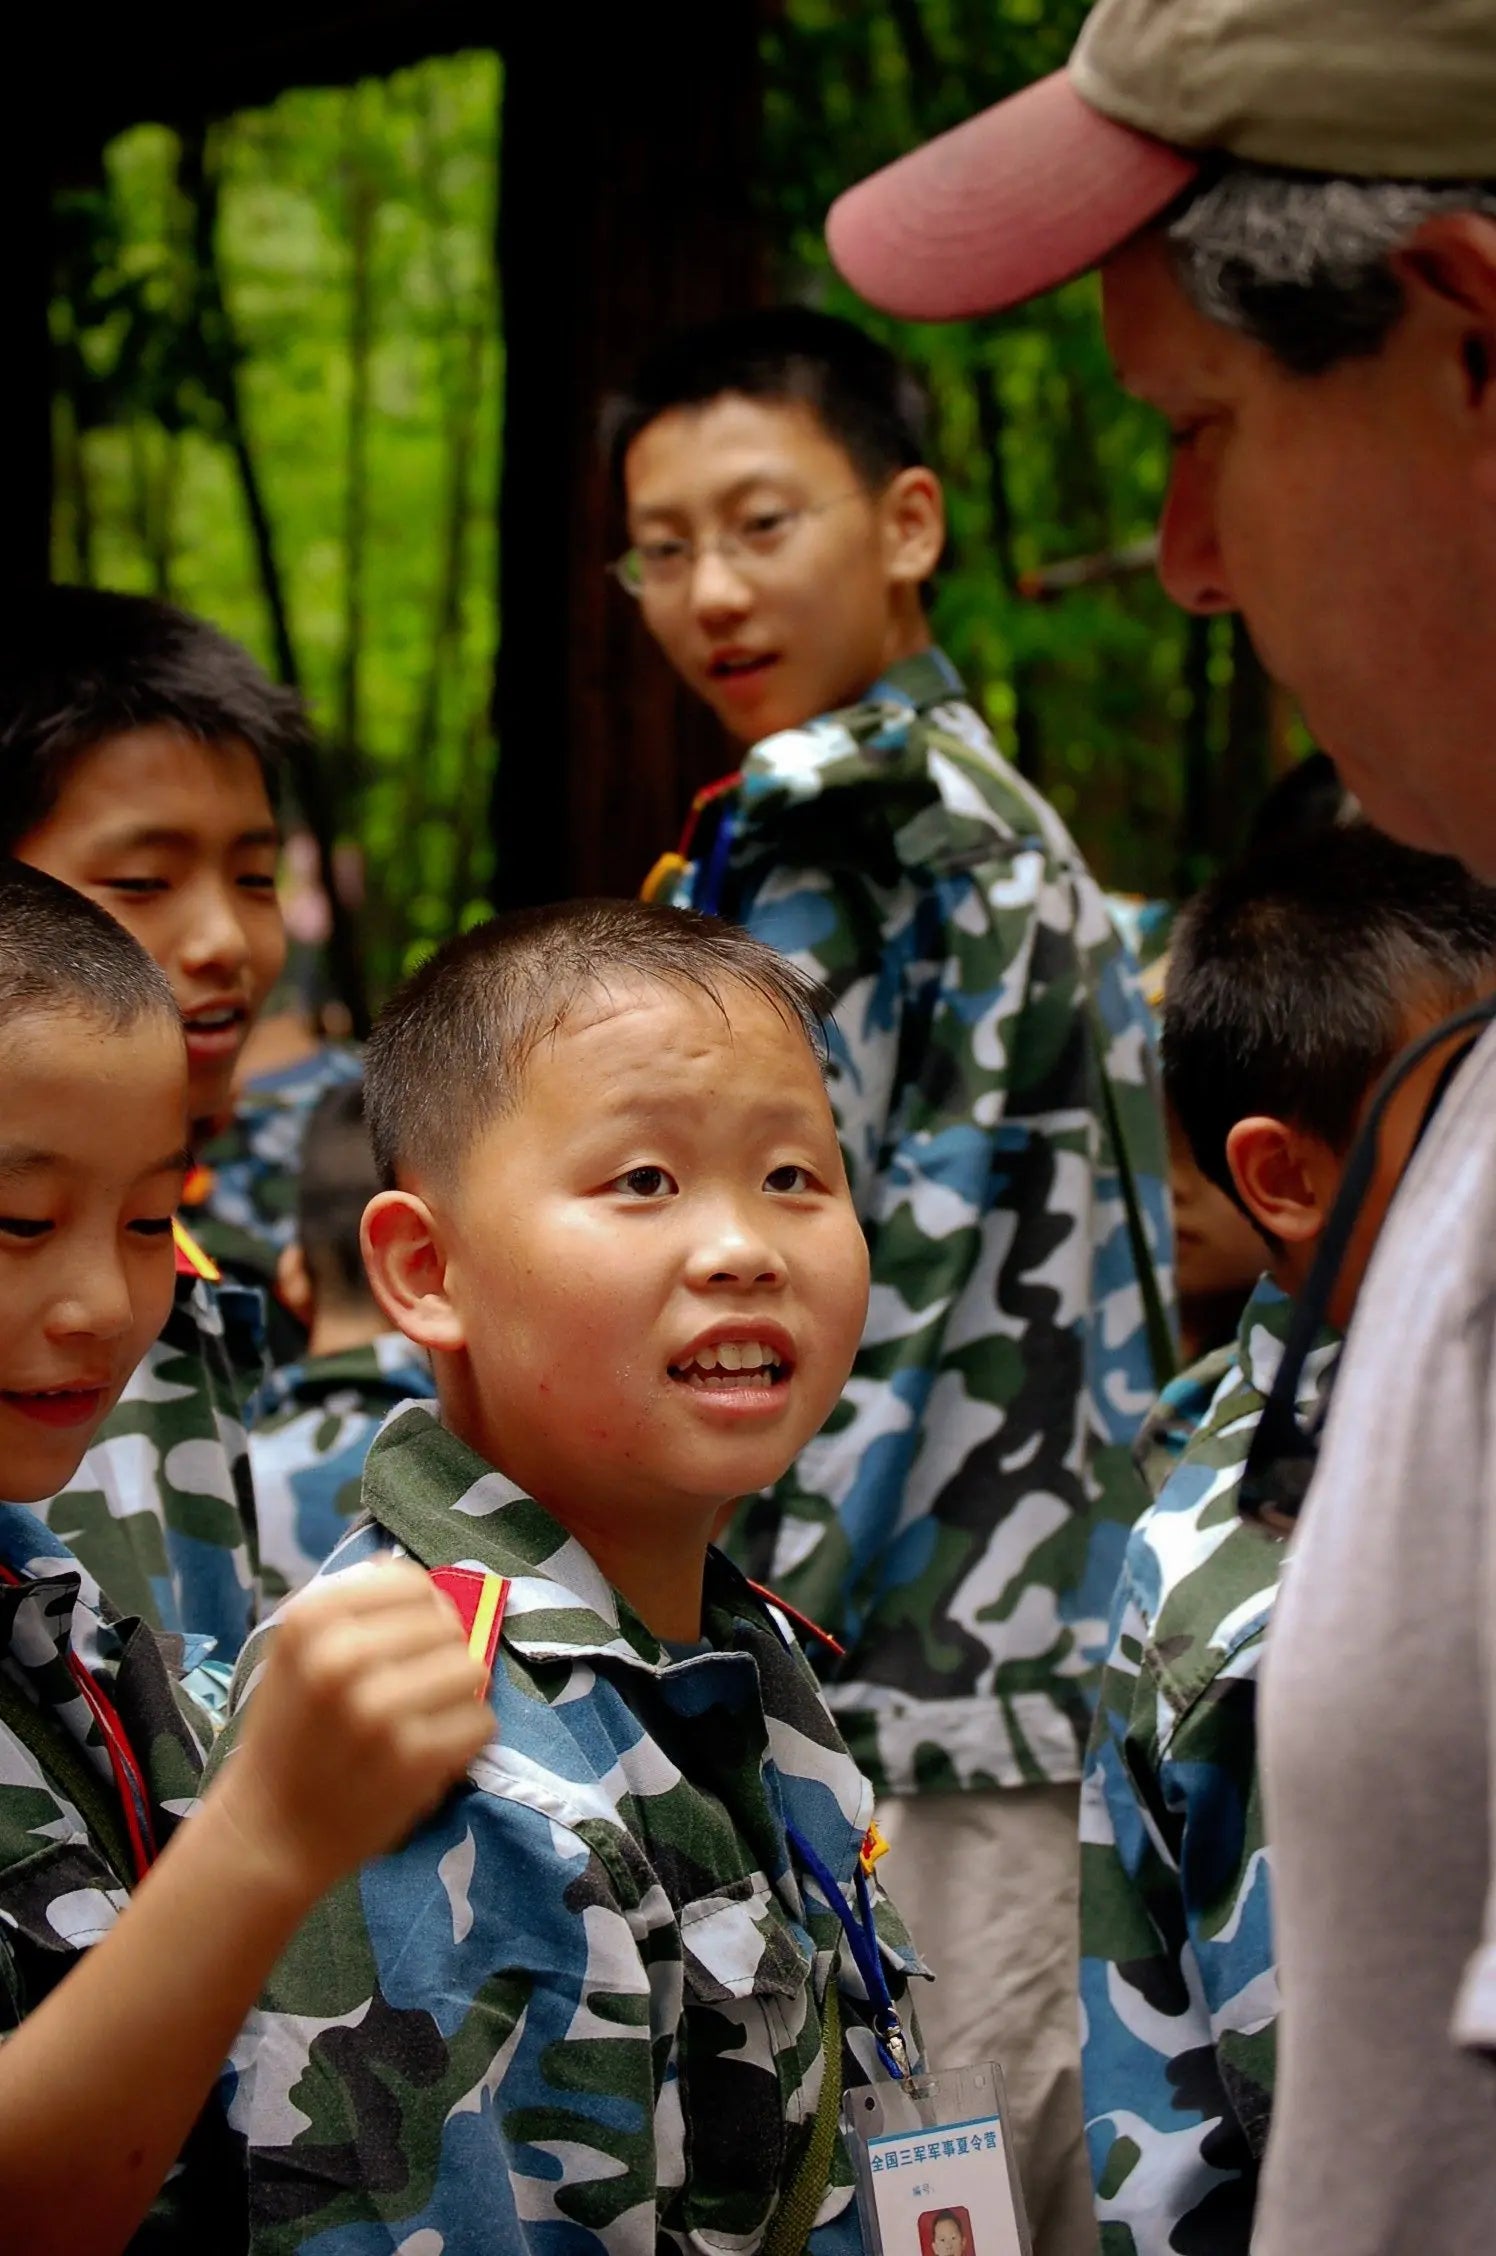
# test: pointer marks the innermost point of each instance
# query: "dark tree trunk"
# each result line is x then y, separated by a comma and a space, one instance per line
625, 210
26, 363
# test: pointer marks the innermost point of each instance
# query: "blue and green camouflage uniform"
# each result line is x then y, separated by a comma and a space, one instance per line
1178, 1977
1178, 1414
960, 1522
310, 1429
67, 1864
581, 2009
161, 1511
240, 1200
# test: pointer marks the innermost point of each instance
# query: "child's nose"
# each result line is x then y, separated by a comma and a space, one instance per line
734, 1252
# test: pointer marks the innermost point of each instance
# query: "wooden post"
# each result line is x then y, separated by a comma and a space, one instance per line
626, 210
26, 363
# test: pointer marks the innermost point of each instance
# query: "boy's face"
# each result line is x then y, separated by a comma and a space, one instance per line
178, 841
1217, 1253
666, 1203
771, 640
92, 1132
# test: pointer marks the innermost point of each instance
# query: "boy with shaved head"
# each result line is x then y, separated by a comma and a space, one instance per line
608, 1997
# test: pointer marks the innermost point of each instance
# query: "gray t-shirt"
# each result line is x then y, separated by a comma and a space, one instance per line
1379, 1747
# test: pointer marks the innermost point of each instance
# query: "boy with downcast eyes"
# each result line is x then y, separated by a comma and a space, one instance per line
603, 1996
138, 754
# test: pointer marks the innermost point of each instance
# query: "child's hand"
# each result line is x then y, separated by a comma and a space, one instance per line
369, 1707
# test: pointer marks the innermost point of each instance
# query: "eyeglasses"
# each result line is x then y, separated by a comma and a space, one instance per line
664, 566
1281, 1460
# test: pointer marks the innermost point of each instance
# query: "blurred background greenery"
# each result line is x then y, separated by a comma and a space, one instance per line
278, 346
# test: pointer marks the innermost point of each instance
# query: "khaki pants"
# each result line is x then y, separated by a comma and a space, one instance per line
989, 1884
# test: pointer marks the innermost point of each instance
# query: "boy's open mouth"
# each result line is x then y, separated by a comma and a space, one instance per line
733, 1366
56, 1406
215, 1030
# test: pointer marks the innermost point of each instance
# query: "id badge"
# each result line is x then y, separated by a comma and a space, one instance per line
934, 2163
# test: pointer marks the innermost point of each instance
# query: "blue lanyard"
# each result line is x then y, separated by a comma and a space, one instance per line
708, 887
862, 1936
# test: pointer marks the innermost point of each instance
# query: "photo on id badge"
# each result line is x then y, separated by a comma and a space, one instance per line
935, 2173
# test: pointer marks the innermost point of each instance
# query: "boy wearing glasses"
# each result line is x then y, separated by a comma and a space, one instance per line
961, 1519
1293, 982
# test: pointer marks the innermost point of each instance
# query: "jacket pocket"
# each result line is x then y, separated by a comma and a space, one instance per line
744, 2054
53, 1904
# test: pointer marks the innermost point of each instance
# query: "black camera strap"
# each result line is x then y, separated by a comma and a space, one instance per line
1281, 1460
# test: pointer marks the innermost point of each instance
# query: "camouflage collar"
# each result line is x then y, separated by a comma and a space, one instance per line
388, 1367
55, 1609
447, 1508
1262, 1336
873, 739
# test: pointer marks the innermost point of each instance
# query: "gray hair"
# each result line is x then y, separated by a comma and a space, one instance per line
1302, 262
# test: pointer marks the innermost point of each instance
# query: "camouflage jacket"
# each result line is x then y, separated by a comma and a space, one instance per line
67, 1865
1178, 1414
581, 2009
241, 1199
1178, 1977
161, 1510
310, 1429
960, 1522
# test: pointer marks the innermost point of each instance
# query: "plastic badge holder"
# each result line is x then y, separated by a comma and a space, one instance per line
935, 2168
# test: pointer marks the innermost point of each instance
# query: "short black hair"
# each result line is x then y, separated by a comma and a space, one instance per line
336, 1182
62, 954
1291, 975
868, 401
1306, 798
448, 1051
79, 665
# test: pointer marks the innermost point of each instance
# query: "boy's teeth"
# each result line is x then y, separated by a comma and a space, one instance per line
732, 1355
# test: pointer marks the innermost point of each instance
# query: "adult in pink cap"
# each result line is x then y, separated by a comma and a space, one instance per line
1294, 210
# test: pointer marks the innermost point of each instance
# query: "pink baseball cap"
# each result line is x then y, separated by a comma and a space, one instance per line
1051, 181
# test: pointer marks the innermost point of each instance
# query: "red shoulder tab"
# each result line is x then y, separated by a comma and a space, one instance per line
480, 1599
802, 1621
191, 1259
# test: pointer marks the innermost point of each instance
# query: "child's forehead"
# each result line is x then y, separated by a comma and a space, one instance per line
133, 779
634, 1008
731, 437
75, 1090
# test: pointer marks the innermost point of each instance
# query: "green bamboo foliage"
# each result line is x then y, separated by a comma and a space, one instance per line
280, 362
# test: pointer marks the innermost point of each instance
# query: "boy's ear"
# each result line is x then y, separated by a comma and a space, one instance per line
293, 1284
407, 1265
913, 513
1283, 1177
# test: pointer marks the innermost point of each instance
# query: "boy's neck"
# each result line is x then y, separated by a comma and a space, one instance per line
337, 1331
908, 634
658, 1565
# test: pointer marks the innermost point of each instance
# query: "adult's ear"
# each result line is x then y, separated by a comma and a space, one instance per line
1448, 267
406, 1262
913, 515
1278, 1178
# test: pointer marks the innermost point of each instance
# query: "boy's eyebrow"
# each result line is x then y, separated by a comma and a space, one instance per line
133, 837
175, 1163
776, 474
17, 1161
